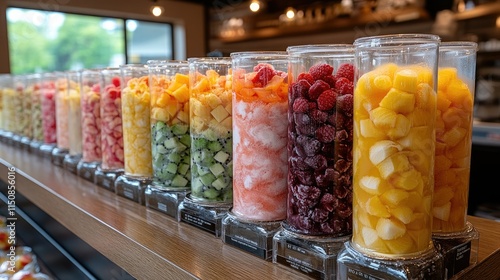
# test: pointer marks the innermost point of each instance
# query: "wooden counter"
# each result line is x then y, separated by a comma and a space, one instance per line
146, 243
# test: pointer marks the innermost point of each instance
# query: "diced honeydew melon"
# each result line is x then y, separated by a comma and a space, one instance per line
202, 170
211, 193
174, 157
219, 184
171, 168
186, 140
170, 143
217, 169
221, 156
160, 149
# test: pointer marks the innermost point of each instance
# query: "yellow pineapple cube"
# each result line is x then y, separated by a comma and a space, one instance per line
457, 91
394, 197
399, 101
395, 163
442, 102
212, 100
445, 76
401, 245
382, 83
375, 207
201, 85
408, 180
382, 150
419, 221
368, 129
402, 213
454, 136
419, 138
219, 113
198, 124
366, 219
425, 98
227, 123
181, 93
372, 185
401, 128
159, 114
414, 199
442, 212
421, 237
383, 118
421, 117
199, 109
442, 195
406, 80
387, 69
172, 108
183, 117
181, 78
421, 160
390, 229
372, 240
441, 163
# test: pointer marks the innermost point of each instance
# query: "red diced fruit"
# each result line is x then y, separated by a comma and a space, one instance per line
317, 88
319, 71
307, 77
326, 100
96, 88
264, 75
344, 86
300, 105
345, 104
346, 71
116, 81
259, 66
325, 134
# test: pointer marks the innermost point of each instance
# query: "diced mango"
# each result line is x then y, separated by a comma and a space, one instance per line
398, 101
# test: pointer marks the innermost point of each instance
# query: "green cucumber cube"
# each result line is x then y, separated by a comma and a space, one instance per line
214, 146
186, 140
219, 184
207, 179
221, 157
170, 143
202, 170
174, 157
183, 168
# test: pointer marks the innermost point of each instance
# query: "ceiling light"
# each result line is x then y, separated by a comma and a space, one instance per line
290, 13
156, 10
255, 6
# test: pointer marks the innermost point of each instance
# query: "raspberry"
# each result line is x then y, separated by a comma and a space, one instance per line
300, 105
326, 100
317, 88
116, 81
300, 89
345, 104
330, 80
307, 77
264, 75
319, 116
346, 71
344, 86
319, 71
259, 66
326, 133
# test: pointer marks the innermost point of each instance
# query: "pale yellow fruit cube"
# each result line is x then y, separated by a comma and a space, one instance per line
368, 129
454, 136
395, 163
372, 185
403, 214
401, 245
394, 197
409, 180
383, 118
442, 195
399, 101
442, 212
219, 113
406, 80
445, 76
375, 207
401, 127
383, 149
390, 229
372, 240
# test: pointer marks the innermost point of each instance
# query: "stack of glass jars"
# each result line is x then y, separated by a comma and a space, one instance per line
170, 135
319, 215
25, 121
136, 106
260, 105
393, 155
36, 114
19, 86
211, 136
62, 113
48, 109
74, 123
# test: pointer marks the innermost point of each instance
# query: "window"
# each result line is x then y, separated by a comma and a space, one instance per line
42, 41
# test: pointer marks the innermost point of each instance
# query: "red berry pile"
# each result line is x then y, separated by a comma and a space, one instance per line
320, 149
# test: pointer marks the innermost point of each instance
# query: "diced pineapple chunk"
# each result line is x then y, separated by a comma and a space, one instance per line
441, 163
418, 137
382, 150
453, 136
406, 80
442, 102
445, 76
442, 196
371, 185
399, 101
442, 212
402, 213
212, 100
368, 129
457, 91
390, 229
394, 197
219, 113
182, 93
395, 163
401, 245
383, 117
408, 180
382, 83
375, 207
372, 240
401, 128
425, 96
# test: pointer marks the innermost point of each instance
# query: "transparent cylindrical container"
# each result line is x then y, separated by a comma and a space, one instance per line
260, 106
455, 101
135, 119
211, 129
48, 107
19, 85
8, 109
74, 113
36, 110
62, 110
170, 140
320, 139
91, 115
3, 81
394, 142
26, 125
111, 119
